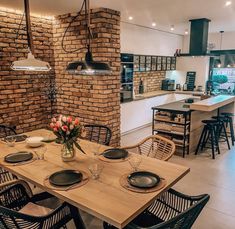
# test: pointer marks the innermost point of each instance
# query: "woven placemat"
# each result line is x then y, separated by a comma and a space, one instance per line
125, 184
85, 179
102, 158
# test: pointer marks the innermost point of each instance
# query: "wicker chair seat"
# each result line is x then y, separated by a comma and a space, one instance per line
35, 209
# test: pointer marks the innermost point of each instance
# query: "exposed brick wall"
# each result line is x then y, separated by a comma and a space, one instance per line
95, 99
23, 99
152, 80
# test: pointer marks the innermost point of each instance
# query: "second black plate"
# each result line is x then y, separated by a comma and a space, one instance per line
65, 177
18, 157
115, 153
19, 138
143, 179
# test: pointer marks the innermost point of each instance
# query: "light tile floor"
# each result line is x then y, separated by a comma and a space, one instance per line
216, 177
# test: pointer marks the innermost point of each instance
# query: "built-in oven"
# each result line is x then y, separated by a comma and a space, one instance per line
127, 68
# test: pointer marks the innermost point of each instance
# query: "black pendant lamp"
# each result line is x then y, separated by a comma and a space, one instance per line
30, 64
89, 66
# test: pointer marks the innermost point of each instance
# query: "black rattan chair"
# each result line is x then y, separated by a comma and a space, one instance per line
172, 210
14, 199
98, 133
6, 178
6, 131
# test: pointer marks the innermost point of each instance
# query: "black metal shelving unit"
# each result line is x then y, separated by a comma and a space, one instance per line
173, 112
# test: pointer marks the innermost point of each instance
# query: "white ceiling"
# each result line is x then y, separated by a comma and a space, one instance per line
164, 12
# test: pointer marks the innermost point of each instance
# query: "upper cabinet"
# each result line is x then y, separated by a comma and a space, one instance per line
143, 63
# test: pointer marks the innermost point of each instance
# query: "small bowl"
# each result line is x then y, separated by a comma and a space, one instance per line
34, 141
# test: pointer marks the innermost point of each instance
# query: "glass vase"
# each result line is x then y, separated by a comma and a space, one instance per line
68, 152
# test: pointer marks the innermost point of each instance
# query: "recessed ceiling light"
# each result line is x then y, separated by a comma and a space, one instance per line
186, 32
130, 18
154, 24
172, 28
228, 3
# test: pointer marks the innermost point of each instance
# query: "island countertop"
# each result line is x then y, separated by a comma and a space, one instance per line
212, 103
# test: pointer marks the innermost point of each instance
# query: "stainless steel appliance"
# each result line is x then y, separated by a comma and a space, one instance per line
168, 85
127, 69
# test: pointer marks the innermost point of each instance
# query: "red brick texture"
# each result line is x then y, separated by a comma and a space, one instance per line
95, 99
23, 100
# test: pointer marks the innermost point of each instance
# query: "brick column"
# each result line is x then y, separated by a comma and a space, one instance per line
95, 99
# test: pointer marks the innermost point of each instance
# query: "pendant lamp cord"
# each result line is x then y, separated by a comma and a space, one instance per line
221, 39
85, 5
28, 26
18, 30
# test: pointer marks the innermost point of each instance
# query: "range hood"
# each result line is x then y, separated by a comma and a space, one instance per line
198, 38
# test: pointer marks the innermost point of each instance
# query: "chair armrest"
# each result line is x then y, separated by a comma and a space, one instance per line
41, 196
187, 197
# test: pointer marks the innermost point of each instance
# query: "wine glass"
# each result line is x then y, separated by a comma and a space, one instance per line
95, 169
135, 162
40, 152
10, 140
96, 150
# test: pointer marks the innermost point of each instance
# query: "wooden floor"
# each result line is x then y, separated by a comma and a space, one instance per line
216, 177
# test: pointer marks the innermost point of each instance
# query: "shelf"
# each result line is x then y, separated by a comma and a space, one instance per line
171, 132
169, 121
178, 145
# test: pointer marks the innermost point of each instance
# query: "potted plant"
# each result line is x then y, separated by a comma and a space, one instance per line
67, 131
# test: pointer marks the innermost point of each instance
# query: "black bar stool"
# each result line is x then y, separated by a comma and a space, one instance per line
221, 131
209, 132
229, 123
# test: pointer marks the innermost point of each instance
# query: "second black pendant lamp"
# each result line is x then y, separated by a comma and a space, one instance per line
88, 66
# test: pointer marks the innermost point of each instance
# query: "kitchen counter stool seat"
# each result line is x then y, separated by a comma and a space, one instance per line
209, 132
221, 130
229, 124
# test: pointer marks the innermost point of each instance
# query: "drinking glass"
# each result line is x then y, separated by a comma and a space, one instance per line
96, 150
135, 162
10, 140
41, 152
95, 169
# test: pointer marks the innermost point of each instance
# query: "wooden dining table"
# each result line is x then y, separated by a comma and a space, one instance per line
103, 198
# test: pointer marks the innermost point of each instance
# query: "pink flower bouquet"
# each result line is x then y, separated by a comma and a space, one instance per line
67, 130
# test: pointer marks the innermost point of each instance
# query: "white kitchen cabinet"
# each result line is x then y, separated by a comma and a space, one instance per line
138, 113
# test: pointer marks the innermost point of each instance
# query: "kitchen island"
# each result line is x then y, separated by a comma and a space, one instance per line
181, 121
136, 114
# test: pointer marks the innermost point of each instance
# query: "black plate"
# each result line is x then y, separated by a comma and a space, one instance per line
18, 157
143, 179
115, 153
65, 178
20, 138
